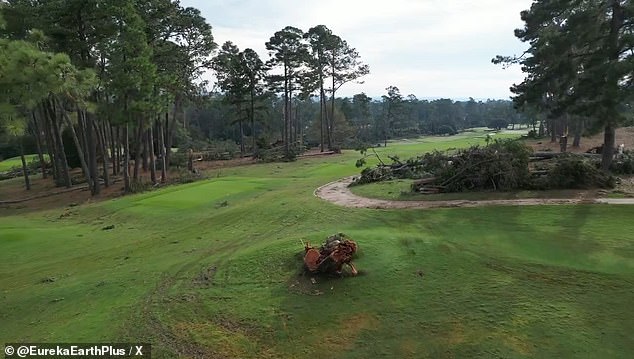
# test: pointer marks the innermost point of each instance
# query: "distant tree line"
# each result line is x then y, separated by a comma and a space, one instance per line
357, 119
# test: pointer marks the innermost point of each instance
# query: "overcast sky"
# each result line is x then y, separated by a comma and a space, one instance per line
429, 48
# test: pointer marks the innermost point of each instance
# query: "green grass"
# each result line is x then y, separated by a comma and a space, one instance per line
12, 162
513, 282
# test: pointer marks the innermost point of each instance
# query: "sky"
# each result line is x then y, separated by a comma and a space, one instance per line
429, 48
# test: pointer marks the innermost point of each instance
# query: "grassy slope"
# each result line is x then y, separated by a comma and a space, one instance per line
10, 163
510, 282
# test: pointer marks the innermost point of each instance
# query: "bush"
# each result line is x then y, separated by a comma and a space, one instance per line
185, 176
139, 186
178, 159
277, 154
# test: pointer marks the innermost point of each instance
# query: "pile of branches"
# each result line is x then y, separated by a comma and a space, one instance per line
413, 168
501, 165
571, 171
338, 250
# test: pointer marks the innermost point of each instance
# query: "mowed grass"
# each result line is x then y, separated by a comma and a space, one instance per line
213, 269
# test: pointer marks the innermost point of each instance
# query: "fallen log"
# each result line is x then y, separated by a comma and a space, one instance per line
540, 156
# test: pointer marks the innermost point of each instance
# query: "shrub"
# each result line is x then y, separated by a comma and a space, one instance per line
178, 159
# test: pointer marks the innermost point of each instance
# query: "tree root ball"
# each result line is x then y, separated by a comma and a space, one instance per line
336, 251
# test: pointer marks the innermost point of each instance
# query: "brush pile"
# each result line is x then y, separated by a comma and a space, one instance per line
503, 165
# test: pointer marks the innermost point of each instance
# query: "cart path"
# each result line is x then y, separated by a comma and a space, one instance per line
338, 193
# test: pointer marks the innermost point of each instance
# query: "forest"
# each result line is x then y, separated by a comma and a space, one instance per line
112, 86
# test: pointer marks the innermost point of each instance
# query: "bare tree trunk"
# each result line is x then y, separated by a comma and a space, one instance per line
161, 141
25, 170
145, 151
321, 117
150, 139
103, 147
80, 149
242, 148
609, 140
39, 143
331, 129
113, 152
286, 110
126, 164
119, 149
170, 127
92, 152
578, 131
48, 133
63, 163
138, 149
253, 143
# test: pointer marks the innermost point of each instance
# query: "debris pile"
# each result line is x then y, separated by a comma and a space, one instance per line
501, 165
331, 256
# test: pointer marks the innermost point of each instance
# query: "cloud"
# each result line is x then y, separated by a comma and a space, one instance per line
431, 48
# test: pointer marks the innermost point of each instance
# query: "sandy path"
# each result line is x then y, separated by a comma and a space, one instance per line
338, 193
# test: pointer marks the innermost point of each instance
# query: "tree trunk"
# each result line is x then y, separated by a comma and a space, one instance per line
145, 151
253, 143
114, 143
92, 153
80, 149
241, 138
25, 170
162, 150
63, 163
150, 137
578, 131
51, 145
138, 149
286, 111
126, 161
170, 127
119, 150
563, 143
321, 116
331, 128
103, 147
38, 143
609, 140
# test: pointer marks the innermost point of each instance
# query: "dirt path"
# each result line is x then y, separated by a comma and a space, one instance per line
338, 193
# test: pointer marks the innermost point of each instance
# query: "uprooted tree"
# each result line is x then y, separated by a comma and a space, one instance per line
338, 250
